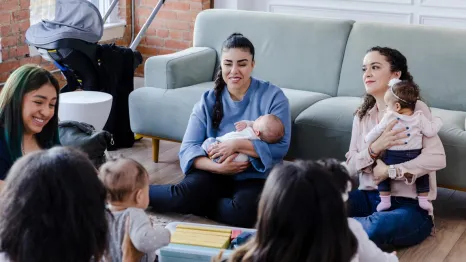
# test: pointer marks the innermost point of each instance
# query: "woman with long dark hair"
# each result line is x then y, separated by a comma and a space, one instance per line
28, 114
53, 209
405, 223
225, 190
301, 217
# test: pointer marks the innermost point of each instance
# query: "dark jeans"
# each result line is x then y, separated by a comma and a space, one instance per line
218, 197
404, 224
393, 157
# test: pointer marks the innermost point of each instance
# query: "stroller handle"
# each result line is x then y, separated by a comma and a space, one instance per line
110, 9
136, 41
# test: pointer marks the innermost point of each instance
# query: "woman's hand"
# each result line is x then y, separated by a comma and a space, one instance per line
380, 172
222, 150
229, 167
130, 253
389, 138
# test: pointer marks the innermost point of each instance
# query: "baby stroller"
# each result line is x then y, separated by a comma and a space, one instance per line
70, 41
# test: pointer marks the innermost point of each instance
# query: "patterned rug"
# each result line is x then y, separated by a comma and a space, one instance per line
164, 219
160, 220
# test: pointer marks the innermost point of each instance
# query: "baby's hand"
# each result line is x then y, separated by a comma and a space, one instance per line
240, 126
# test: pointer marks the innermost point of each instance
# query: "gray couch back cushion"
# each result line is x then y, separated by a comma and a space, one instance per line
292, 52
436, 59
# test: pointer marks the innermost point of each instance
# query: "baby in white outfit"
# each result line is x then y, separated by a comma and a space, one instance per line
401, 100
268, 128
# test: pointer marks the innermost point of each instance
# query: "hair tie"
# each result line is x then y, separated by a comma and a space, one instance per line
345, 195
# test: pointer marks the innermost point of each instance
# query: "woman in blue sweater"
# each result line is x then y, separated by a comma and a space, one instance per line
227, 191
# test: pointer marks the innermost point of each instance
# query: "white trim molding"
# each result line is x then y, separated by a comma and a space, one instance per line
405, 2
437, 20
113, 30
444, 3
343, 13
444, 13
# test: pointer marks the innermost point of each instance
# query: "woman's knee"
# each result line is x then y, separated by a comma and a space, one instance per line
399, 227
196, 186
236, 213
417, 233
189, 195
380, 230
241, 209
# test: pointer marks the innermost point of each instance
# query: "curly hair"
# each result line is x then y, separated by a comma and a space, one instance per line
53, 209
397, 62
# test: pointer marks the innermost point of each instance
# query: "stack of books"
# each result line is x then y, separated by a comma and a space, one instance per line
202, 236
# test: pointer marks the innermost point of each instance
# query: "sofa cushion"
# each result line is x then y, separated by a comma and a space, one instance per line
453, 130
324, 129
164, 112
436, 59
300, 100
295, 52
453, 136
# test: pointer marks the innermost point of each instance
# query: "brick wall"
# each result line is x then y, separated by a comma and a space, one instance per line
125, 13
172, 28
14, 21
170, 31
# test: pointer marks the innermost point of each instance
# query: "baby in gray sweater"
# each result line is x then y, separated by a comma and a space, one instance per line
127, 184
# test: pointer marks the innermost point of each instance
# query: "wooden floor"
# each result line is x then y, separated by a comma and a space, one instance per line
448, 244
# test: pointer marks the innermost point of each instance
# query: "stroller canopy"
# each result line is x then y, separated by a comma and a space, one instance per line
77, 19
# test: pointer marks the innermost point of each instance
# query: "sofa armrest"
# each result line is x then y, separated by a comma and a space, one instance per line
184, 68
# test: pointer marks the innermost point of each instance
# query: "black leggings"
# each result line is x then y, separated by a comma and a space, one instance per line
218, 197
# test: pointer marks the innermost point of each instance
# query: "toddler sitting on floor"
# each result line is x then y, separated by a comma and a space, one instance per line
127, 184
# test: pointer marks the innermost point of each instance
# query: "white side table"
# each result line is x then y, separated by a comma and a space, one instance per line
90, 107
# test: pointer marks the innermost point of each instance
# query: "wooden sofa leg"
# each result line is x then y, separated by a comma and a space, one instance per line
155, 150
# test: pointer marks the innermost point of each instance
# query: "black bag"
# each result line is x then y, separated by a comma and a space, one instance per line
84, 137
116, 77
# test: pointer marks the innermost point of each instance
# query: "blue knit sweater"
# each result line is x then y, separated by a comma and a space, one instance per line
261, 98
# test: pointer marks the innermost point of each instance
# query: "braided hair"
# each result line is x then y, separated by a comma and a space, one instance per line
235, 40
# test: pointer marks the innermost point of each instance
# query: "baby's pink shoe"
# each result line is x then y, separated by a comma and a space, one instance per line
385, 203
425, 204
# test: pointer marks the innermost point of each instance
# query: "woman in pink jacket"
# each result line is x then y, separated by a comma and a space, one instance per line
405, 223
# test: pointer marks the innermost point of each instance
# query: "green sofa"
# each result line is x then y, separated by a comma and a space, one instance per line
317, 63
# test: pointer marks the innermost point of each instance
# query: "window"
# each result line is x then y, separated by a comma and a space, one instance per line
103, 6
41, 9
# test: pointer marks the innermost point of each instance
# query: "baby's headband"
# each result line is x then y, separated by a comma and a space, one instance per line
393, 82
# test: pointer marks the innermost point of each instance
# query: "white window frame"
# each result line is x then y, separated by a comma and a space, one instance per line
114, 27
103, 6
